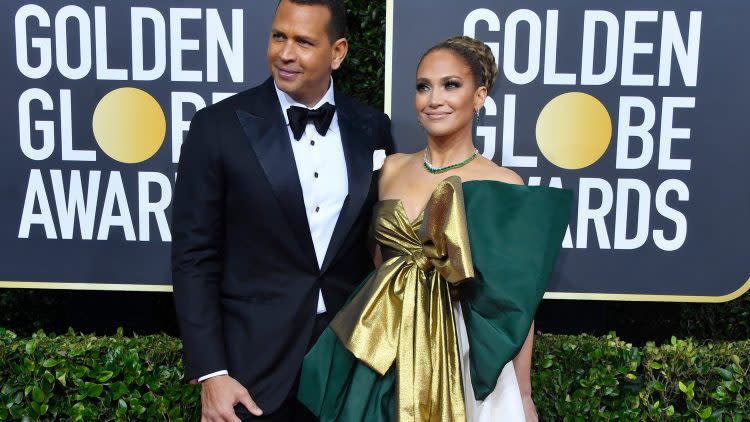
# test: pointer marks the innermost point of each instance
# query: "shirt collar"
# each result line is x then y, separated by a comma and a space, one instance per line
286, 101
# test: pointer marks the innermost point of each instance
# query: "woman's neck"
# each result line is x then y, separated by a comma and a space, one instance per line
451, 149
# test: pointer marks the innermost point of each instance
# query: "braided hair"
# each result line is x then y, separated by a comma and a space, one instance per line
476, 54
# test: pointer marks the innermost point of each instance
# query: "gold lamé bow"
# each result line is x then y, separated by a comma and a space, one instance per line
403, 312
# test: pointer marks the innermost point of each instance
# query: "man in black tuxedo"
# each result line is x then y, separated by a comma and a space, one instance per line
272, 205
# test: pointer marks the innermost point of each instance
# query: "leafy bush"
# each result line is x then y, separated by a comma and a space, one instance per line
728, 321
88, 378
575, 378
362, 74
583, 378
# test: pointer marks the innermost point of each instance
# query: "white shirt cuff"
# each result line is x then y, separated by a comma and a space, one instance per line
213, 374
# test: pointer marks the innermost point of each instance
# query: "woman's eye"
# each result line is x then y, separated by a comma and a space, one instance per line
452, 85
422, 87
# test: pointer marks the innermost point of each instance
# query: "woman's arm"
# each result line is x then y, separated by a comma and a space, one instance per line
522, 363
522, 366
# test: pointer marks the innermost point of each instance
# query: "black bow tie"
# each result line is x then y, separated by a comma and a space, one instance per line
320, 117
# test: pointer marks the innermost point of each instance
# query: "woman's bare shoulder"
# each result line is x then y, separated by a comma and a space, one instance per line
394, 162
396, 159
488, 170
393, 165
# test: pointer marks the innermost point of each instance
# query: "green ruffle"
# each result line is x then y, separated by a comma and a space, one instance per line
515, 234
335, 386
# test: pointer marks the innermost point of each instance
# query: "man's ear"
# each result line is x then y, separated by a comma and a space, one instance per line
338, 52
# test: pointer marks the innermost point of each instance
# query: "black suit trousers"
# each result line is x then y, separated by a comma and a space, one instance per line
292, 410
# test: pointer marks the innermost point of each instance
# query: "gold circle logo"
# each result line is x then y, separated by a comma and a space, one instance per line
573, 130
129, 125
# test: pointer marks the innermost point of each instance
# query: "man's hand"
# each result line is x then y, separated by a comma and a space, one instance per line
529, 409
218, 397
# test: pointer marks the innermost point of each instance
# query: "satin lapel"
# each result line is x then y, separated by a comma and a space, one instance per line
269, 139
357, 144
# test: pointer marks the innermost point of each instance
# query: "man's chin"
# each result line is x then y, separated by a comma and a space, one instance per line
287, 86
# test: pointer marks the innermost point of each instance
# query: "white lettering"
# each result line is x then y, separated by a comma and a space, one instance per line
44, 45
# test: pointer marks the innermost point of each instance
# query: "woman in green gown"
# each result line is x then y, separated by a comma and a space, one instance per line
443, 329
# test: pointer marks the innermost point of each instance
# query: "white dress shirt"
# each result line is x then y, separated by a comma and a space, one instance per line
321, 168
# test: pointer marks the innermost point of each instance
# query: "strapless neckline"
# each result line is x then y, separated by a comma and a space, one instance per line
400, 207
400, 203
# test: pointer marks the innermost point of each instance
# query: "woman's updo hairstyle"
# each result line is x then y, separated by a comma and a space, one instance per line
475, 54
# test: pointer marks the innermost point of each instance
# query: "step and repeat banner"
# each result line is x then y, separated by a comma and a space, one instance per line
97, 97
640, 107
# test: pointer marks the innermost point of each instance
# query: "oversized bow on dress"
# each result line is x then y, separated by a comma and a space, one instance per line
403, 313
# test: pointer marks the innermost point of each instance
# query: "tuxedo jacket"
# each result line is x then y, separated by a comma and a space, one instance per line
245, 273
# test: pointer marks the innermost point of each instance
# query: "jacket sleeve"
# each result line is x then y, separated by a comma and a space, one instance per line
198, 227
386, 137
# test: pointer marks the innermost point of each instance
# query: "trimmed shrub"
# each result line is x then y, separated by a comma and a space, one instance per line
88, 378
582, 378
575, 378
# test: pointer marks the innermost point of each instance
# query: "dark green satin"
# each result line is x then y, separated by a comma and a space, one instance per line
515, 233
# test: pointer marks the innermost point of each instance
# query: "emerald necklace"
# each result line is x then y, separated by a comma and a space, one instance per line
428, 166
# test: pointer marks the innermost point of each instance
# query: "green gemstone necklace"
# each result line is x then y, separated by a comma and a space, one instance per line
434, 170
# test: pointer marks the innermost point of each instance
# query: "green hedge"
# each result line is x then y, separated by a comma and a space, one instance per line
363, 73
89, 378
581, 378
575, 378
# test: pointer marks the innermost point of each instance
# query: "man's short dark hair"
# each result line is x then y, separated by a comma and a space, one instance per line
337, 25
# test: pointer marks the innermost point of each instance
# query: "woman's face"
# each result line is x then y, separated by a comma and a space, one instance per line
446, 97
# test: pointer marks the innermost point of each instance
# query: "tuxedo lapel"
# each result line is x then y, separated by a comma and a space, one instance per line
356, 140
263, 124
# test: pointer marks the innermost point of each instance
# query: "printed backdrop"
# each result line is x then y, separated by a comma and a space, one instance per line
637, 106
97, 97
640, 107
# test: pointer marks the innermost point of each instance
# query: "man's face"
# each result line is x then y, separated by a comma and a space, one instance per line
300, 54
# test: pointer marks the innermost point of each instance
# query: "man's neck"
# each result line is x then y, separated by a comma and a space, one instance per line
308, 103
312, 100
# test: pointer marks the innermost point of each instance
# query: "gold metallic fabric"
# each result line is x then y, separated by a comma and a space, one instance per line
403, 314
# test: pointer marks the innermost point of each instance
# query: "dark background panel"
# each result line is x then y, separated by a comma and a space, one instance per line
713, 260
116, 260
